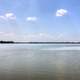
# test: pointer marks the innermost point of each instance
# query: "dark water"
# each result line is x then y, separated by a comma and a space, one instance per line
39, 62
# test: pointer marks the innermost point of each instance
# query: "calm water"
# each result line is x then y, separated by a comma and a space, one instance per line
39, 62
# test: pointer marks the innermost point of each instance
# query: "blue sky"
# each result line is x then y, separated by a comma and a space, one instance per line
40, 20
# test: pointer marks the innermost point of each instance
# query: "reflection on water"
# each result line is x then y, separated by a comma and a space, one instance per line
39, 62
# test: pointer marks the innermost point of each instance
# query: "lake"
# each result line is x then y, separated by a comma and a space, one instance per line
39, 62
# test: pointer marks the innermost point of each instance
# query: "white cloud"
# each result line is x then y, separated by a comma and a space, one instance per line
61, 12
2, 17
38, 37
7, 34
8, 16
31, 19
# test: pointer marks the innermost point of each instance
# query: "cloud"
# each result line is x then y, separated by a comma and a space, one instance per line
2, 17
61, 12
38, 37
44, 37
31, 19
8, 16
7, 34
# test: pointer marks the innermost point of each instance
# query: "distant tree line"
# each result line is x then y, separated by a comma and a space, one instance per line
47, 42
6, 42
54, 42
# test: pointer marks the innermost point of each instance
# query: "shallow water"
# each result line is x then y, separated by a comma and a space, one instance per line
39, 62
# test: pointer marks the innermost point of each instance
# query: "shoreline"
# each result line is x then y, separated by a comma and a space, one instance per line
39, 42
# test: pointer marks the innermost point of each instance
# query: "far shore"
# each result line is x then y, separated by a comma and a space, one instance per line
13, 42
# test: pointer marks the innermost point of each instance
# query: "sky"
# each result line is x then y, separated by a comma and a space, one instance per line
40, 20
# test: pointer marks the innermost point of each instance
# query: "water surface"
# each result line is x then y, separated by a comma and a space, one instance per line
39, 62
